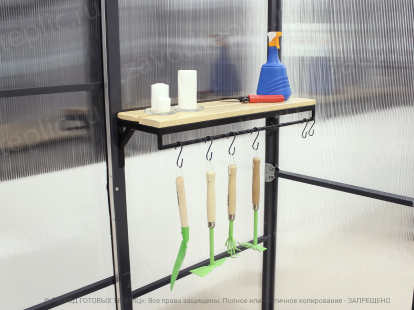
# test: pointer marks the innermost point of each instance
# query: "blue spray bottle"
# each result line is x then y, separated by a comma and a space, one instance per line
273, 77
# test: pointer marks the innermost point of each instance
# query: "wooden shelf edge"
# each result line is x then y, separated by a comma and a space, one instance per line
212, 111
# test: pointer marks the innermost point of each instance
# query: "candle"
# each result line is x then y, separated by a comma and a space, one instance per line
187, 89
163, 104
158, 90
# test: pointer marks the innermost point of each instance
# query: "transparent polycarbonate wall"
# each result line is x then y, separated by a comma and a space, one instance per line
40, 134
158, 38
54, 225
332, 245
155, 228
48, 42
355, 59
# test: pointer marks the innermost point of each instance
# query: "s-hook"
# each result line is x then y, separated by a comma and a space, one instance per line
234, 149
311, 134
211, 156
306, 133
257, 147
178, 159
303, 132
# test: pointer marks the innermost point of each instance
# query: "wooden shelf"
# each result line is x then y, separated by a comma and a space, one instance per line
212, 111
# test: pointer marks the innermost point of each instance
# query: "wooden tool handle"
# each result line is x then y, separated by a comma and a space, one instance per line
211, 196
256, 181
232, 190
182, 202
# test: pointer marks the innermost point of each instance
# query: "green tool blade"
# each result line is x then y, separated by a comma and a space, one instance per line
205, 270
181, 255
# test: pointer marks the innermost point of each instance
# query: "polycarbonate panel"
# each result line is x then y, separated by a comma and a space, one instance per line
41, 134
158, 38
333, 245
55, 228
49, 42
100, 300
356, 59
54, 236
225, 41
239, 278
154, 222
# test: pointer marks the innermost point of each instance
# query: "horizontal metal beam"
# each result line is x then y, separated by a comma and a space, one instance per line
356, 190
185, 272
58, 301
46, 90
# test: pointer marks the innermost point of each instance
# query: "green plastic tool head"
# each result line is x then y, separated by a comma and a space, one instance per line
253, 247
205, 270
231, 244
185, 231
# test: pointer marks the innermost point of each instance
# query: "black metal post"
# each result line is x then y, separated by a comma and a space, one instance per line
116, 174
271, 188
270, 215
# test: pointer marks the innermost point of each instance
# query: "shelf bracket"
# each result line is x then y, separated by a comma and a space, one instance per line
124, 137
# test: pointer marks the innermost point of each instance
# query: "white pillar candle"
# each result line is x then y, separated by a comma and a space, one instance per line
158, 90
163, 104
187, 89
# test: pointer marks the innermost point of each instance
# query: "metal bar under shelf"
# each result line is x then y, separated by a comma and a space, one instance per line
185, 272
227, 135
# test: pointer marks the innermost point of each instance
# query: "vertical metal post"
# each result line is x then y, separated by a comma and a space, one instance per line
271, 188
116, 174
270, 210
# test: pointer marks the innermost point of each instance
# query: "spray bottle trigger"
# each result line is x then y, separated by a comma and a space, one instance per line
276, 41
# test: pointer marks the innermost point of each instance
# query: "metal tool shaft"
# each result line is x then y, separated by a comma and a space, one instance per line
211, 246
256, 213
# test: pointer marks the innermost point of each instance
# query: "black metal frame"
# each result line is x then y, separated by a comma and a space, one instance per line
47, 90
116, 175
58, 301
117, 139
127, 128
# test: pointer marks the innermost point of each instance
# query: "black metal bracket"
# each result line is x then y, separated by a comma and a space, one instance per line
124, 137
126, 128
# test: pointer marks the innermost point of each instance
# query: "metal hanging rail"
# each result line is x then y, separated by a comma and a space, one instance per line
128, 133
237, 133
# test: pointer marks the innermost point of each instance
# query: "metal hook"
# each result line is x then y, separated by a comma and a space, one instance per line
314, 121
211, 156
303, 132
178, 159
258, 132
234, 150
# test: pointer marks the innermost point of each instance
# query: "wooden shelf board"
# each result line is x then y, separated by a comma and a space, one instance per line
212, 110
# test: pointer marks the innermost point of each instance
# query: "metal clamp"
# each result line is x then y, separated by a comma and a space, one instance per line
270, 172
